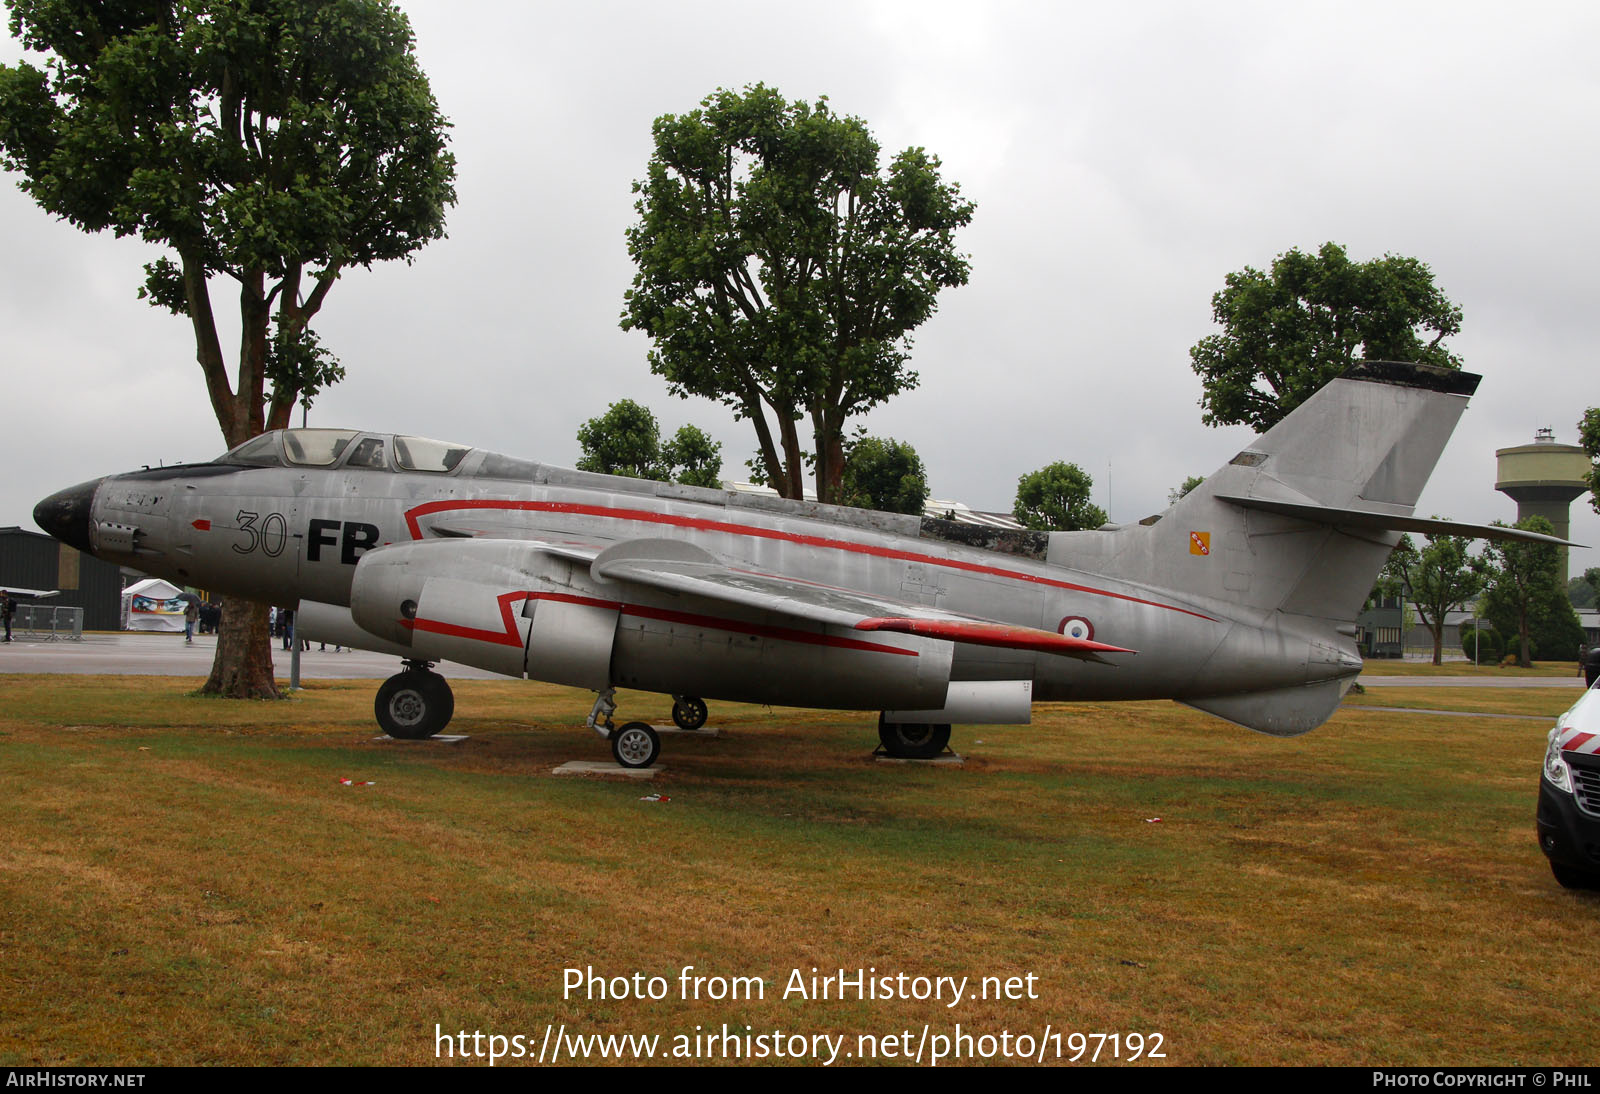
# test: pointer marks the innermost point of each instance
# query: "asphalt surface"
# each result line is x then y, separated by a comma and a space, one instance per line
146, 654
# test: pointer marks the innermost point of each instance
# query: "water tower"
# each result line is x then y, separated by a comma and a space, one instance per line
1543, 478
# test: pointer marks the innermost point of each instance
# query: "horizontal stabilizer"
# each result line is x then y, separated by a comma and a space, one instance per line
1391, 522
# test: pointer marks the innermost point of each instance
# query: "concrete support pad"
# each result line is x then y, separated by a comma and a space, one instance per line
703, 731
439, 739
949, 759
598, 767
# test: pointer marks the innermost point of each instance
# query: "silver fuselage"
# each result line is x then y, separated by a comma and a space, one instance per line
289, 535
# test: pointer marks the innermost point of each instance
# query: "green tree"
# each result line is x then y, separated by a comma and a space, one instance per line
271, 143
693, 458
884, 474
1482, 644
1056, 499
1174, 496
1523, 594
1589, 438
1288, 331
626, 440
1436, 579
781, 271
1580, 591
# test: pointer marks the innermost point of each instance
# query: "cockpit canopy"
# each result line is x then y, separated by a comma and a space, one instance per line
349, 448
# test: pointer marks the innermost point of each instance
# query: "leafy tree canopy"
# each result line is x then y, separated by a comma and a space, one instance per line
693, 458
884, 474
1436, 579
1288, 331
276, 143
1189, 484
782, 269
1525, 599
1589, 438
626, 440
1056, 499
1580, 591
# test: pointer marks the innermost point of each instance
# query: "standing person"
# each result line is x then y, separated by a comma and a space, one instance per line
191, 616
8, 608
286, 619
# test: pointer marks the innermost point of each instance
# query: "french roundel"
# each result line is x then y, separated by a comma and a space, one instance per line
1076, 626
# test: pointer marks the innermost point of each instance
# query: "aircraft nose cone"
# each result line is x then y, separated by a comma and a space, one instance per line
65, 514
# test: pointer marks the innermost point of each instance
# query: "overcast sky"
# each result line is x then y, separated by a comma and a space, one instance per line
1124, 159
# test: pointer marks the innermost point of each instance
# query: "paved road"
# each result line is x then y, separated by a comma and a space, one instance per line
166, 655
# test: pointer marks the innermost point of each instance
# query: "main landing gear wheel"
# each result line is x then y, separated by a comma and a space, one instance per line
414, 704
635, 745
912, 740
688, 712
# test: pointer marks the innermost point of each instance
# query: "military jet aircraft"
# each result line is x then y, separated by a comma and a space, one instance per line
1240, 600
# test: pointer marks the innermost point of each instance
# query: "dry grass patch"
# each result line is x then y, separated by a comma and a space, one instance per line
1542, 702
186, 881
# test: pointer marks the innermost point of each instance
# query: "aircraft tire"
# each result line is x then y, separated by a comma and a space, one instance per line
414, 705
689, 712
635, 745
1571, 877
912, 740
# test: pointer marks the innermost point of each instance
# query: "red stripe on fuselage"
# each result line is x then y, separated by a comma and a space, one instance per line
703, 524
510, 637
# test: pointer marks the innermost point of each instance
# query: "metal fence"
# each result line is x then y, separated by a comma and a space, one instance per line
48, 622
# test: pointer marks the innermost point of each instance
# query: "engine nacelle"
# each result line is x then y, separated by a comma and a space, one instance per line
523, 610
495, 604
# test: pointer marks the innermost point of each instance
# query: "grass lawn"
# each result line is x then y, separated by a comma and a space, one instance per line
188, 881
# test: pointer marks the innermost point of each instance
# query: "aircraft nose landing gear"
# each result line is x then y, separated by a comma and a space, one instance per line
414, 704
634, 745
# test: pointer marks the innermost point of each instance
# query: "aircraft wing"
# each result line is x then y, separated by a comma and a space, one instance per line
27, 594
680, 567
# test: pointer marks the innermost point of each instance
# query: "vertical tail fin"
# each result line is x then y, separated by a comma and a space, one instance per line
1361, 447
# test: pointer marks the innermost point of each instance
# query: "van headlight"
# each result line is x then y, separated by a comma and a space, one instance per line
1555, 768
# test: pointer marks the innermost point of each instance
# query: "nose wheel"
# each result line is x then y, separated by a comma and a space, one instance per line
635, 745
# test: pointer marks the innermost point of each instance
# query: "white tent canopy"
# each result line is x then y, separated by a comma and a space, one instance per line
152, 605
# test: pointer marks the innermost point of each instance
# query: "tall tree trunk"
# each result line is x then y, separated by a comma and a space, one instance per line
794, 484
242, 668
830, 467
